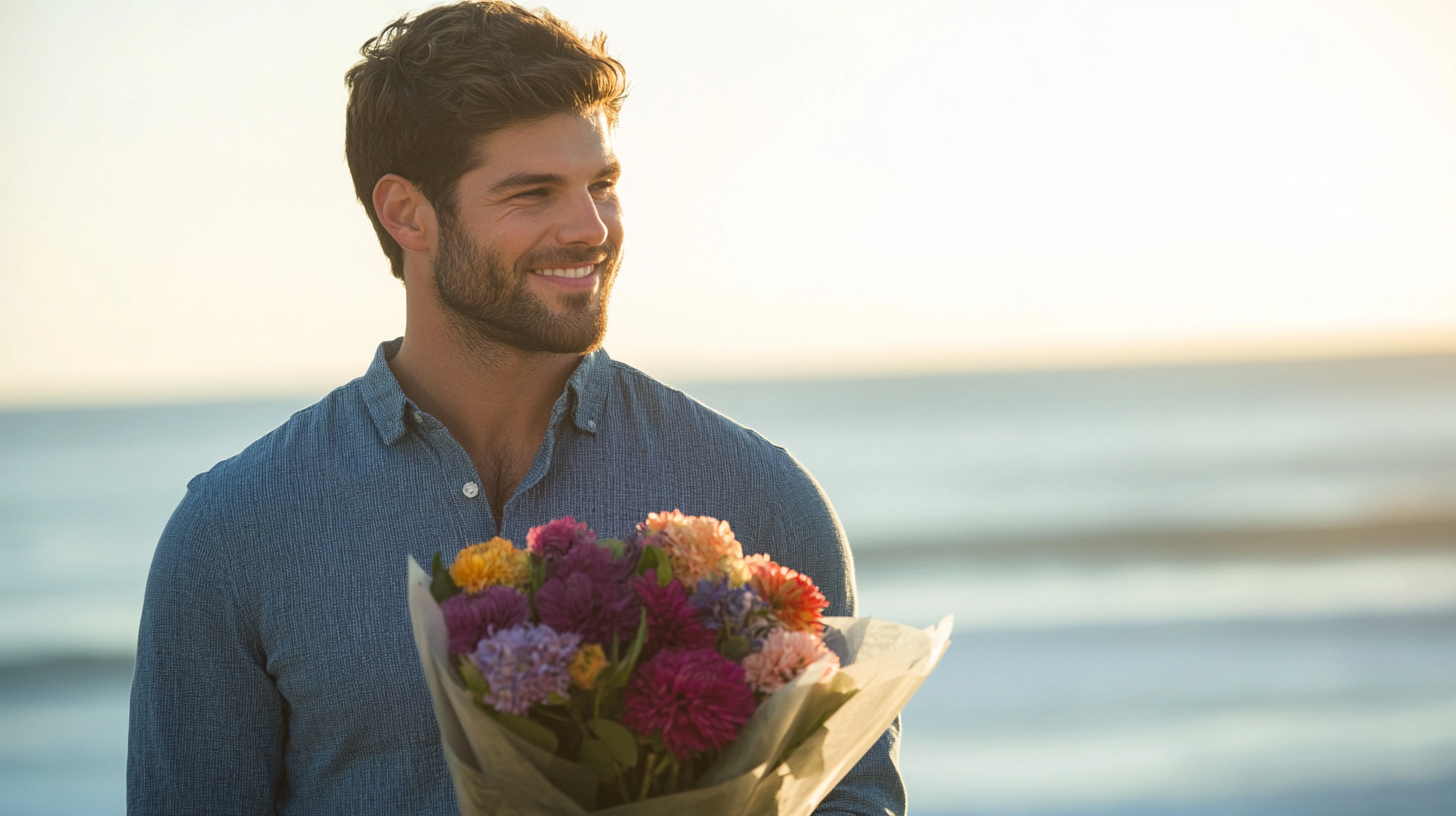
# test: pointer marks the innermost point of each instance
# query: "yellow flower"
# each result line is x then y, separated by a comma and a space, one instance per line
588, 663
496, 561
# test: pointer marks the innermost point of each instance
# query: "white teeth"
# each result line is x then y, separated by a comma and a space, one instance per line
579, 272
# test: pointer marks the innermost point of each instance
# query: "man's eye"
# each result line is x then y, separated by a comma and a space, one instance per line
530, 194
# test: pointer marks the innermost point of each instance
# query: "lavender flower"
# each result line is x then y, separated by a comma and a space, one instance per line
524, 666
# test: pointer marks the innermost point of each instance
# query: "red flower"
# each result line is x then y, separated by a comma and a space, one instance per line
695, 698
795, 601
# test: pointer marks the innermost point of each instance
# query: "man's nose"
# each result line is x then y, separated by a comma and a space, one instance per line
583, 221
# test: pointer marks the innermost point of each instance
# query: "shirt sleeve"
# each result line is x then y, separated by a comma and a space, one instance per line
207, 722
873, 787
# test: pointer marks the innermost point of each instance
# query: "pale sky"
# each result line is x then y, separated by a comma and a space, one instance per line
810, 188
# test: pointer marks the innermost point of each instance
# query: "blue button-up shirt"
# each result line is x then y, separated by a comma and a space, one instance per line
275, 668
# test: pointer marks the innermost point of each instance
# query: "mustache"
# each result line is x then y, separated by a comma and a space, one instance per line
597, 255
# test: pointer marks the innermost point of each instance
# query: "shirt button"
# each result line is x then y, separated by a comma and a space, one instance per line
591, 424
471, 490
419, 416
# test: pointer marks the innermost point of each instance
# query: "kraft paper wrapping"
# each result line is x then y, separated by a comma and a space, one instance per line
498, 774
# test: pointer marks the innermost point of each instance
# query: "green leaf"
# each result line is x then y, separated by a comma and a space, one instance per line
596, 755
530, 731
648, 560
474, 680
613, 544
736, 648
655, 558
623, 670
618, 738
442, 586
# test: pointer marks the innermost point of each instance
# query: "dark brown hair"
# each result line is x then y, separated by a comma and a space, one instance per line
428, 88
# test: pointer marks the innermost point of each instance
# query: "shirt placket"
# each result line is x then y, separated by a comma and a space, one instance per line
459, 480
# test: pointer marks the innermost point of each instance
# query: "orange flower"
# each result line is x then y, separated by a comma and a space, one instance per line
496, 561
796, 602
586, 665
698, 546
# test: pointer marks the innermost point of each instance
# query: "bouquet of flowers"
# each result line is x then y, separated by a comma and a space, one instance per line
650, 675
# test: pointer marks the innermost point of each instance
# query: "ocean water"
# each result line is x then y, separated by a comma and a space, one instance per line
1199, 590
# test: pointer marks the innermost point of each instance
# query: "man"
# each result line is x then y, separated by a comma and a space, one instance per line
275, 666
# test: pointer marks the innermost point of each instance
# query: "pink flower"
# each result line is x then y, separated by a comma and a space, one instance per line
699, 547
694, 698
556, 538
672, 621
784, 656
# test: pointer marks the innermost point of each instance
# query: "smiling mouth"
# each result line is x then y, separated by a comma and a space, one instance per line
568, 272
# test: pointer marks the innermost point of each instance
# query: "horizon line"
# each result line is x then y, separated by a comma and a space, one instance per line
702, 368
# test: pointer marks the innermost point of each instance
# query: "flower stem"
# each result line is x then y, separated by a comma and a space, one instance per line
622, 783
647, 774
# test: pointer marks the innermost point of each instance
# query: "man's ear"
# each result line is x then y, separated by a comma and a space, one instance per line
405, 213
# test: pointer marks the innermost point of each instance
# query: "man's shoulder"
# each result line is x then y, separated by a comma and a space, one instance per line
310, 439
665, 411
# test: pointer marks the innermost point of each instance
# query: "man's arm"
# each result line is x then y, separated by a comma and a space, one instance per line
873, 787
207, 722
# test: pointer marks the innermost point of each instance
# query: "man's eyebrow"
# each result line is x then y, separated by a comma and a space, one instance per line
526, 180
520, 180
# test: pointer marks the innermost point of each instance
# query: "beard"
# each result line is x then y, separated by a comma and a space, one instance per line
491, 303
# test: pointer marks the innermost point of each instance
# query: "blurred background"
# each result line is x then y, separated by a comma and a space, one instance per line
1124, 331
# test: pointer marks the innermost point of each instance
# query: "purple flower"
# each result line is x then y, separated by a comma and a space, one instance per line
734, 611
672, 622
524, 666
590, 596
557, 538
593, 561
470, 616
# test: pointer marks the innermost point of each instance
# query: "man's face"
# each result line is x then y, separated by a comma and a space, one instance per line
530, 254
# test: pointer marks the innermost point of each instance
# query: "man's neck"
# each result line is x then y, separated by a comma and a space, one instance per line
495, 400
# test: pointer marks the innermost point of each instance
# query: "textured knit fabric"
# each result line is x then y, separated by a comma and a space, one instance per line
275, 667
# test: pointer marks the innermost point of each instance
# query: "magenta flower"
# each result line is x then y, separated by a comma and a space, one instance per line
556, 538
470, 616
694, 698
524, 666
672, 620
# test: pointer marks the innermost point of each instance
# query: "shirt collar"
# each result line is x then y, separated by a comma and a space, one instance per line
586, 392
383, 396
